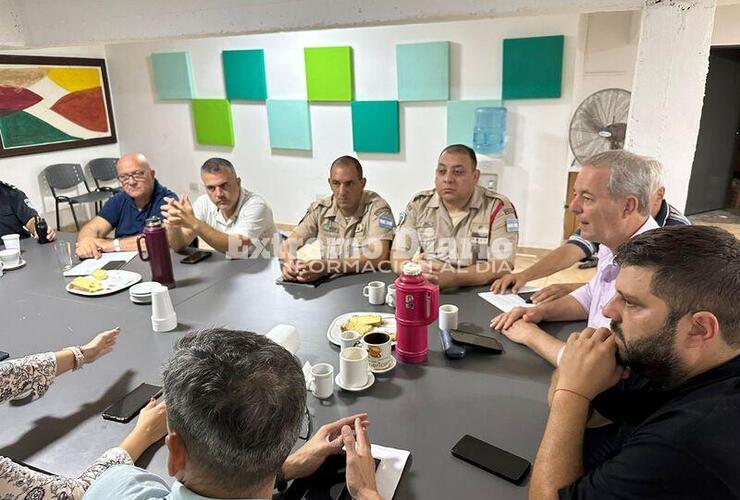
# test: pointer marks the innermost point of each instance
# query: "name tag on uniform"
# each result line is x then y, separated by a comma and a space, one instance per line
385, 221
512, 225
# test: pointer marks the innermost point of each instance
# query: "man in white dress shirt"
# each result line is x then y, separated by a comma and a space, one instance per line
229, 218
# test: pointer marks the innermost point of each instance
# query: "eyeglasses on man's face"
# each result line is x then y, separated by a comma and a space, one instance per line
137, 176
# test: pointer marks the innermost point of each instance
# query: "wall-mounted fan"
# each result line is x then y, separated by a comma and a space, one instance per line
600, 123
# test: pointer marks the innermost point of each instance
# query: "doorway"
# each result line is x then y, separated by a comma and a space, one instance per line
715, 175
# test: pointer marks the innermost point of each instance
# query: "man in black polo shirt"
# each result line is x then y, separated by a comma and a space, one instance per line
17, 215
675, 410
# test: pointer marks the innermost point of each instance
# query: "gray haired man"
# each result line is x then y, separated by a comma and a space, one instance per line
228, 217
235, 405
612, 205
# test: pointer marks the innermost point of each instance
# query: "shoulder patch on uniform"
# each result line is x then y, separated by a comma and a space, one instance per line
385, 221
512, 225
401, 217
29, 204
423, 194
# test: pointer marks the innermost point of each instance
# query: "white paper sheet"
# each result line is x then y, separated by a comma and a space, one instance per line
390, 468
89, 265
508, 301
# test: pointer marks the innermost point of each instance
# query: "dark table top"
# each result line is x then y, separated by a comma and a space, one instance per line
422, 408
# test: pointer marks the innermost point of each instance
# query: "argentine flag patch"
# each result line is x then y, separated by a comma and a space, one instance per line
385, 221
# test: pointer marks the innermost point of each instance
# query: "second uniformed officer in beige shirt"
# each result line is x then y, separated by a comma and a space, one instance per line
353, 228
462, 233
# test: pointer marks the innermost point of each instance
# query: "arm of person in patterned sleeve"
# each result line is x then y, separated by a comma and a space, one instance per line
21, 482
306, 229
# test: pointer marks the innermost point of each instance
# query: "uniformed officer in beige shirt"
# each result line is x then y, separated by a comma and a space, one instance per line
353, 229
462, 233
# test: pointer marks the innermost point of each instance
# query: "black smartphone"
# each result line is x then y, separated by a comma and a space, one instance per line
112, 265
196, 257
327, 483
483, 341
4, 355
527, 296
491, 459
129, 406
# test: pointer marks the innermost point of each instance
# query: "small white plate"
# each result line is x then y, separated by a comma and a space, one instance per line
370, 381
115, 282
20, 264
144, 289
388, 368
335, 328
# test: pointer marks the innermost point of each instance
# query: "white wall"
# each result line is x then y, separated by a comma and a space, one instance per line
536, 180
25, 171
74, 22
726, 25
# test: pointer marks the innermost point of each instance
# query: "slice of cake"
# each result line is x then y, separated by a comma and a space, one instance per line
86, 284
362, 323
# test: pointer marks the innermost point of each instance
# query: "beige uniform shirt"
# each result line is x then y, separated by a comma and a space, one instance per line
488, 231
342, 237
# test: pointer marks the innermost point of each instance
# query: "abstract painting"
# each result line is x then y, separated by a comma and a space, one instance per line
53, 103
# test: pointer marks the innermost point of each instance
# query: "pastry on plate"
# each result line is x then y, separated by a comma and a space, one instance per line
362, 323
86, 284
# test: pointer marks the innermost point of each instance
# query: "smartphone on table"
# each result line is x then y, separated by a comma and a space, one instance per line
491, 459
131, 404
196, 257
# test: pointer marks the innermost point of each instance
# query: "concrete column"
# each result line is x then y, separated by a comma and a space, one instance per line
668, 88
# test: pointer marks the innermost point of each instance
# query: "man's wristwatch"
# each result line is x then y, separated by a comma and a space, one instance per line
117, 245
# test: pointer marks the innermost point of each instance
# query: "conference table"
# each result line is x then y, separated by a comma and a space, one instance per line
423, 408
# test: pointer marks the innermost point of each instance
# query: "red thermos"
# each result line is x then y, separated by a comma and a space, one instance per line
157, 252
417, 306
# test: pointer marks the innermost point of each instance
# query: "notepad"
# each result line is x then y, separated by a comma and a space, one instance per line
87, 266
508, 301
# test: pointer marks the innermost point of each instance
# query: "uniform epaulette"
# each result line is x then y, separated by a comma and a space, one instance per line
423, 194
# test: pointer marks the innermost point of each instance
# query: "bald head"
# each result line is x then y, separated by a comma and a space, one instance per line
136, 177
137, 160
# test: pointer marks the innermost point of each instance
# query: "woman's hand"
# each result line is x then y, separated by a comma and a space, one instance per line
101, 345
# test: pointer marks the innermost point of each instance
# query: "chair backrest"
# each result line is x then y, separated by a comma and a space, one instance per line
103, 169
64, 176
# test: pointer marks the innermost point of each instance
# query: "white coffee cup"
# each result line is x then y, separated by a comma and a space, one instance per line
322, 380
10, 257
390, 296
12, 241
348, 339
448, 317
375, 292
378, 345
353, 367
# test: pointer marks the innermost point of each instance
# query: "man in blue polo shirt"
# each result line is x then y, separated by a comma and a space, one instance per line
127, 211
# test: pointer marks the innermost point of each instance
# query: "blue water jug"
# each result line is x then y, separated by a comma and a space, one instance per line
489, 130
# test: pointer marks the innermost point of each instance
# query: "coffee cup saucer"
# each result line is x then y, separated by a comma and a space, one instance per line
370, 381
20, 264
388, 368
